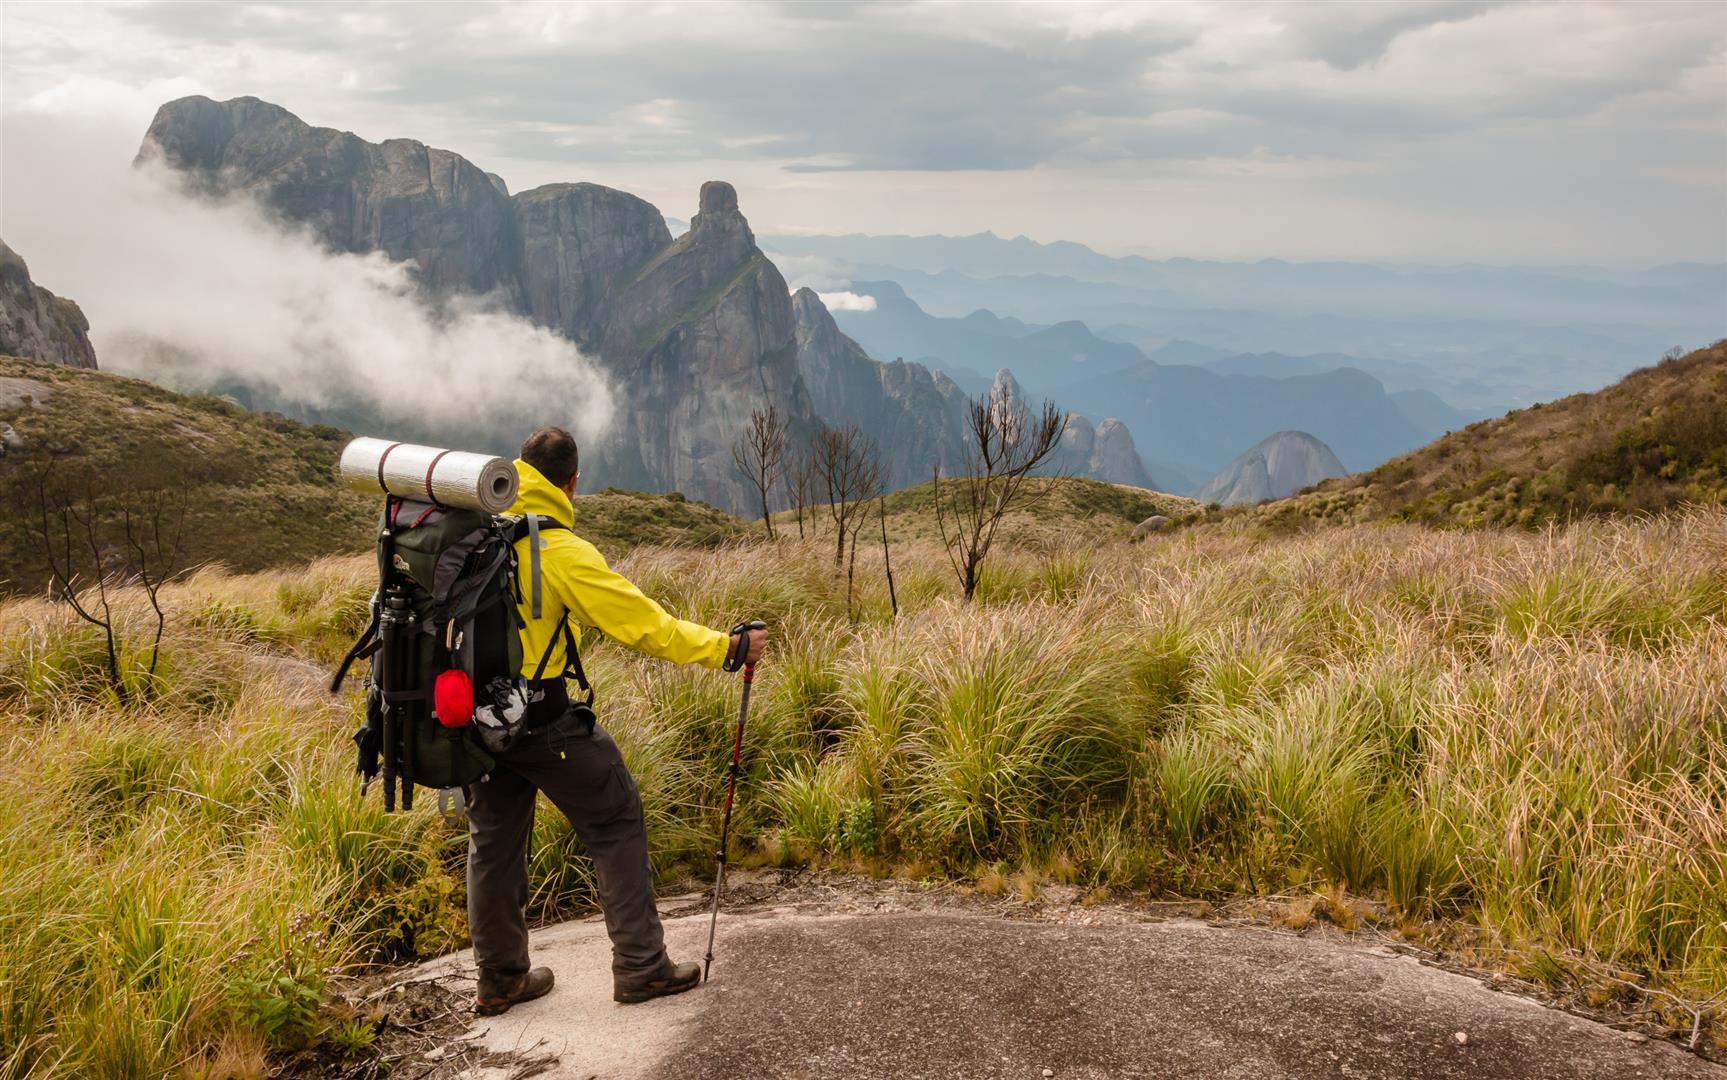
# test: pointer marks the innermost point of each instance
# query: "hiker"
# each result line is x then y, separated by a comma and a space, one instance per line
573, 760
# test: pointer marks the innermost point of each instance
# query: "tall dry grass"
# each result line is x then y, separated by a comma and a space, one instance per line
1520, 737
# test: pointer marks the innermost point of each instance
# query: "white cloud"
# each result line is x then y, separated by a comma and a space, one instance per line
1060, 121
847, 301
198, 294
87, 96
812, 272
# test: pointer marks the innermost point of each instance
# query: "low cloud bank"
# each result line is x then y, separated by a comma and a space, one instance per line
199, 294
847, 301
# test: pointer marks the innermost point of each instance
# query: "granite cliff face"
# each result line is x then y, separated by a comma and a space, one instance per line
401, 197
578, 241
36, 324
1277, 466
917, 416
1105, 452
699, 336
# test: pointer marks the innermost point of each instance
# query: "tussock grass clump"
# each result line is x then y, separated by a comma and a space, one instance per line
1518, 737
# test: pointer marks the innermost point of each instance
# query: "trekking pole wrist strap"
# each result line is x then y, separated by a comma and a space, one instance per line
740, 643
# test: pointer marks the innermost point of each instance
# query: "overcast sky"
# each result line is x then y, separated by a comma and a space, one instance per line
1416, 131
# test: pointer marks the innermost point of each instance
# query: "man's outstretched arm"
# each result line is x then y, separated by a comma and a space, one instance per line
599, 596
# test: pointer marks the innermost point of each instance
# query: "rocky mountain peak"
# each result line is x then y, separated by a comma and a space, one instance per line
1276, 466
814, 320
402, 197
719, 220
36, 324
702, 333
1104, 452
1078, 436
718, 197
1115, 458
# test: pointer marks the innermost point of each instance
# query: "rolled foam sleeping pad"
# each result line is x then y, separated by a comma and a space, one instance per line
448, 477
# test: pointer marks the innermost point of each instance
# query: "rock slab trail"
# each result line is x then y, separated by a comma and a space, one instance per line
834, 997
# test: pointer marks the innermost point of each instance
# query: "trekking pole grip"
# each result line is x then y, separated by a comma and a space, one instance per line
741, 650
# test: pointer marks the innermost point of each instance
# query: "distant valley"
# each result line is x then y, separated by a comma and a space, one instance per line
1484, 338
1189, 419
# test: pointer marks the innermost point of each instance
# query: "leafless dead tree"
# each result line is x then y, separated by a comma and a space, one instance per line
760, 453
847, 472
155, 532
95, 541
870, 489
800, 486
1005, 444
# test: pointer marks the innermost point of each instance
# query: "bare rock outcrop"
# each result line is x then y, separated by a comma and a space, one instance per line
1156, 523
1275, 467
1105, 452
36, 324
1115, 460
917, 416
578, 242
400, 196
700, 336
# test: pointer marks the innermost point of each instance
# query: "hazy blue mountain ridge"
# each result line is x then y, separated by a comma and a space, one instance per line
1185, 419
1484, 337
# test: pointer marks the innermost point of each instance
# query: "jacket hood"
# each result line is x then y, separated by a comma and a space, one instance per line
537, 495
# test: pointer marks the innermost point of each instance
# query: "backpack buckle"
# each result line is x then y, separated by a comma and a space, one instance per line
453, 805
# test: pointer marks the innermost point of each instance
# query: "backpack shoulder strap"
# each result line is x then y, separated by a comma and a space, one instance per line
572, 657
529, 526
365, 646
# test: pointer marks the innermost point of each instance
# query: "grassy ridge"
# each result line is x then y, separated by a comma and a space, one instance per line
259, 488
1059, 512
1516, 741
1652, 441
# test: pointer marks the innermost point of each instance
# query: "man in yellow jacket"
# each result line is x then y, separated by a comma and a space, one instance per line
563, 753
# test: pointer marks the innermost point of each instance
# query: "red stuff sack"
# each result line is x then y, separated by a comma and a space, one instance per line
453, 698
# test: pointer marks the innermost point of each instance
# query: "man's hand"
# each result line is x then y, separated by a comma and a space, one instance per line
752, 652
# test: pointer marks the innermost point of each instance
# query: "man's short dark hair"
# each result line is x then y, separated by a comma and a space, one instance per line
553, 451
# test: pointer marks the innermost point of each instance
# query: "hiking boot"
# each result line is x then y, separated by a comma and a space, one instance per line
497, 993
674, 979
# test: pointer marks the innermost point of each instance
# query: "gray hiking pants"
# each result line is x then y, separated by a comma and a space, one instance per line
585, 777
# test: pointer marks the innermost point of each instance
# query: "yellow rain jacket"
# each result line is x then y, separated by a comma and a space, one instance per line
574, 577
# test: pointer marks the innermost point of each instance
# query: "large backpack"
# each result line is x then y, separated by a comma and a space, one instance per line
446, 689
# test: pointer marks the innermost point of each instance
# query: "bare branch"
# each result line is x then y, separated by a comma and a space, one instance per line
1007, 443
759, 453
847, 468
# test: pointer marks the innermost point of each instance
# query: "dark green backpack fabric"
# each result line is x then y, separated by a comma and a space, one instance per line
446, 600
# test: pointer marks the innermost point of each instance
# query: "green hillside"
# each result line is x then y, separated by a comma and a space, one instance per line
1655, 440
258, 490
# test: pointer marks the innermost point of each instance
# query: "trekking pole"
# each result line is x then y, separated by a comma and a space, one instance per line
731, 789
